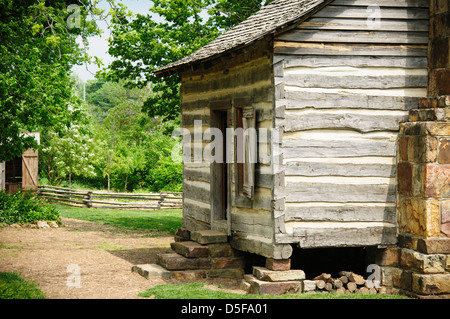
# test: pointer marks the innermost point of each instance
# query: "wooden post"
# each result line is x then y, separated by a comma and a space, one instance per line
87, 199
2, 175
161, 200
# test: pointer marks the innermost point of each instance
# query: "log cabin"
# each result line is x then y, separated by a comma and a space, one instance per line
319, 89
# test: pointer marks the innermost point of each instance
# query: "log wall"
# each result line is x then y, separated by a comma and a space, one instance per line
344, 82
245, 79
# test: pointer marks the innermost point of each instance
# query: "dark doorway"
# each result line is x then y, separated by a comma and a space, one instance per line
13, 175
219, 168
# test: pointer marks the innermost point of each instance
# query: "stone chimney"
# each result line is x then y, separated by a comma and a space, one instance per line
423, 267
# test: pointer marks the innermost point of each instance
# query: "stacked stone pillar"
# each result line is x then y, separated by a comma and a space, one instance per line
423, 267
420, 266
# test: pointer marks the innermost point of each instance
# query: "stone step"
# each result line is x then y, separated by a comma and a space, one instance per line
189, 274
174, 261
205, 237
228, 263
265, 274
221, 250
245, 285
151, 271
182, 234
232, 273
190, 249
261, 287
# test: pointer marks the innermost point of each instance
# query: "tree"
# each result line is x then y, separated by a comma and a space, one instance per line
129, 159
121, 130
37, 50
69, 150
141, 45
228, 14
164, 173
100, 97
105, 154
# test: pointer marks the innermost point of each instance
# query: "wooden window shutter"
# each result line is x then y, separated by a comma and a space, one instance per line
250, 147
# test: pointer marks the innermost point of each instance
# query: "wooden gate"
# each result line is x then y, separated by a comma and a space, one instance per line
30, 170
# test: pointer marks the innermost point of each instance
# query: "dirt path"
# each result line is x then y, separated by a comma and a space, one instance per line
103, 255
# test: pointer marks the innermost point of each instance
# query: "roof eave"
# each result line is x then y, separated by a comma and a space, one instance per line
164, 72
178, 68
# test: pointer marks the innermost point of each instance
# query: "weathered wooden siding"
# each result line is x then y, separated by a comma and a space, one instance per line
245, 78
343, 85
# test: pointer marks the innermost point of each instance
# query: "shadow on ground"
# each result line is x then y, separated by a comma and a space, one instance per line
139, 255
109, 230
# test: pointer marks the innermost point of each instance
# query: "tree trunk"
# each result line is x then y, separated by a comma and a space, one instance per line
70, 181
351, 286
320, 284
328, 286
344, 279
323, 277
337, 283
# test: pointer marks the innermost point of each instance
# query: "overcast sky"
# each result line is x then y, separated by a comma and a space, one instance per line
98, 46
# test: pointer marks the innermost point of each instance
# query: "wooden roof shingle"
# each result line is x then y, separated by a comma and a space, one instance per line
271, 18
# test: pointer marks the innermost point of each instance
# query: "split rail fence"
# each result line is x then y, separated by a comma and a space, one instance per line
97, 199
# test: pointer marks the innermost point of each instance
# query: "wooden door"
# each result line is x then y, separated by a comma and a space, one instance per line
219, 172
30, 170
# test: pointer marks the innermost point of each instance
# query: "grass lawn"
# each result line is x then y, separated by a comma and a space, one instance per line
14, 287
197, 291
164, 220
